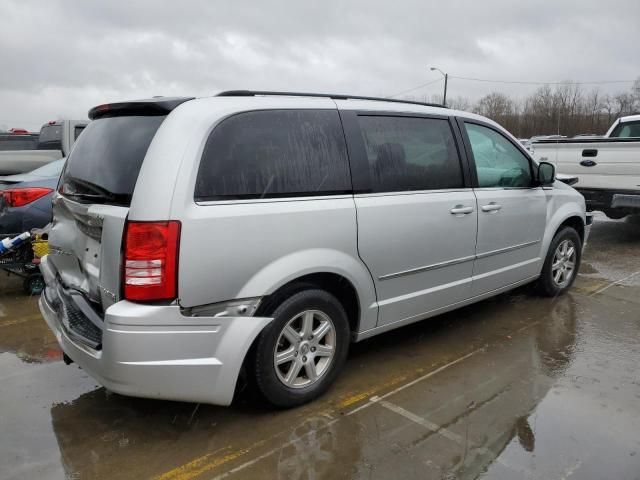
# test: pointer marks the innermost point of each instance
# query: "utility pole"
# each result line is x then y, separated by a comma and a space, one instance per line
444, 99
446, 79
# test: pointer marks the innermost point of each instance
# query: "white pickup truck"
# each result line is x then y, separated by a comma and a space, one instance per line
607, 168
54, 142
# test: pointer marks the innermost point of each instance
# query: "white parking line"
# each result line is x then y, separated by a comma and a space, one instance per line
370, 403
443, 432
617, 282
273, 451
419, 379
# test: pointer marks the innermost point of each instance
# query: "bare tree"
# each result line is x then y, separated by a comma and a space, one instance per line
565, 109
459, 103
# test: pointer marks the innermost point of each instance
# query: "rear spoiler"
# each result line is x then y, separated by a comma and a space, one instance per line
151, 107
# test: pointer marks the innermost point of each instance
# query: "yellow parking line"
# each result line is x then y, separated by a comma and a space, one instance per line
206, 463
8, 323
359, 396
201, 465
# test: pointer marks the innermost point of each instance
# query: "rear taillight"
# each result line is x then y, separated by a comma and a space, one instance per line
19, 197
151, 260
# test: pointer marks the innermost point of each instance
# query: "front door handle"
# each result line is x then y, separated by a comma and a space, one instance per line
492, 207
461, 210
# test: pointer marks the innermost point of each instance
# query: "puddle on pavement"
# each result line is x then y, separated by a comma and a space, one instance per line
23, 332
551, 401
612, 250
543, 400
509, 409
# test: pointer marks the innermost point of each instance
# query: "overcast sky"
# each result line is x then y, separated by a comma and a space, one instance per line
59, 58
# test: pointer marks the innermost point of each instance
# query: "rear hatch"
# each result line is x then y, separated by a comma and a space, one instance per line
91, 206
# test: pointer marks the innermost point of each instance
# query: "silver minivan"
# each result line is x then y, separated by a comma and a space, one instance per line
263, 231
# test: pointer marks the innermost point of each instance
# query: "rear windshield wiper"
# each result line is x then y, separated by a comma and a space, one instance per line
94, 193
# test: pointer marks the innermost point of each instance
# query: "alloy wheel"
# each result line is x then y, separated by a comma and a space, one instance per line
305, 348
564, 263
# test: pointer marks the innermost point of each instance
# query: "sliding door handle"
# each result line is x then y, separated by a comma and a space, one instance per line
492, 207
461, 210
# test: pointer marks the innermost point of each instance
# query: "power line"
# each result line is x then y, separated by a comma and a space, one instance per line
601, 82
415, 88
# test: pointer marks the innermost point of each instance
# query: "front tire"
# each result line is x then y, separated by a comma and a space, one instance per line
561, 264
300, 353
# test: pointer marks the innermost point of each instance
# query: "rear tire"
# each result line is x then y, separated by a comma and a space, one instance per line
301, 352
561, 264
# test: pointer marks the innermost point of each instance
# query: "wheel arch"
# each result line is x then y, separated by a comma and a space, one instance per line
570, 214
333, 283
574, 222
335, 271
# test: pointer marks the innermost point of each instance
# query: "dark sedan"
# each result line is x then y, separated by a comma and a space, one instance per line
25, 199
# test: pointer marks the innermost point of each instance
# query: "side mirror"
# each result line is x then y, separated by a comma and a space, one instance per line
546, 173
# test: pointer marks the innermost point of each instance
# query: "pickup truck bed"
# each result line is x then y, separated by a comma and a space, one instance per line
53, 142
19, 161
608, 170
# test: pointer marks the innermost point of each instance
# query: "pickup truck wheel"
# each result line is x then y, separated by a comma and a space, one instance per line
615, 214
562, 263
300, 353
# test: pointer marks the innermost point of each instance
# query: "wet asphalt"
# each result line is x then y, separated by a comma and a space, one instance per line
514, 387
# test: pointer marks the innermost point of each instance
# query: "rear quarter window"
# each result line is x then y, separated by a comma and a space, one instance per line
274, 153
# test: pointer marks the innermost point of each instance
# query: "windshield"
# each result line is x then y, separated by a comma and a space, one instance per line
107, 157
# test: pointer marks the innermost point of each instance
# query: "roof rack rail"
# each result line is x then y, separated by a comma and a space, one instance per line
254, 93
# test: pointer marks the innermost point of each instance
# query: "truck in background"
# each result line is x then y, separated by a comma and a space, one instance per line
10, 141
54, 142
608, 168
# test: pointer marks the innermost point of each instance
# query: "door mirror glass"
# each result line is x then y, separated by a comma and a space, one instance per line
546, 173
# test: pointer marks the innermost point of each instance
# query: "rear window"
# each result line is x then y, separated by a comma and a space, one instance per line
107, 157
50, 138
276, 153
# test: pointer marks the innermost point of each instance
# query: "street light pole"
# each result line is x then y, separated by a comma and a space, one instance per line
446, 79
444, 99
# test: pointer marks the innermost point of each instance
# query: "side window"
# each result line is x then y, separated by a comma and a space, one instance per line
410, 153
626, 130
498, 162
274, 153
77, 131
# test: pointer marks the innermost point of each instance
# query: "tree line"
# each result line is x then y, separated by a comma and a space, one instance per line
565, 109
